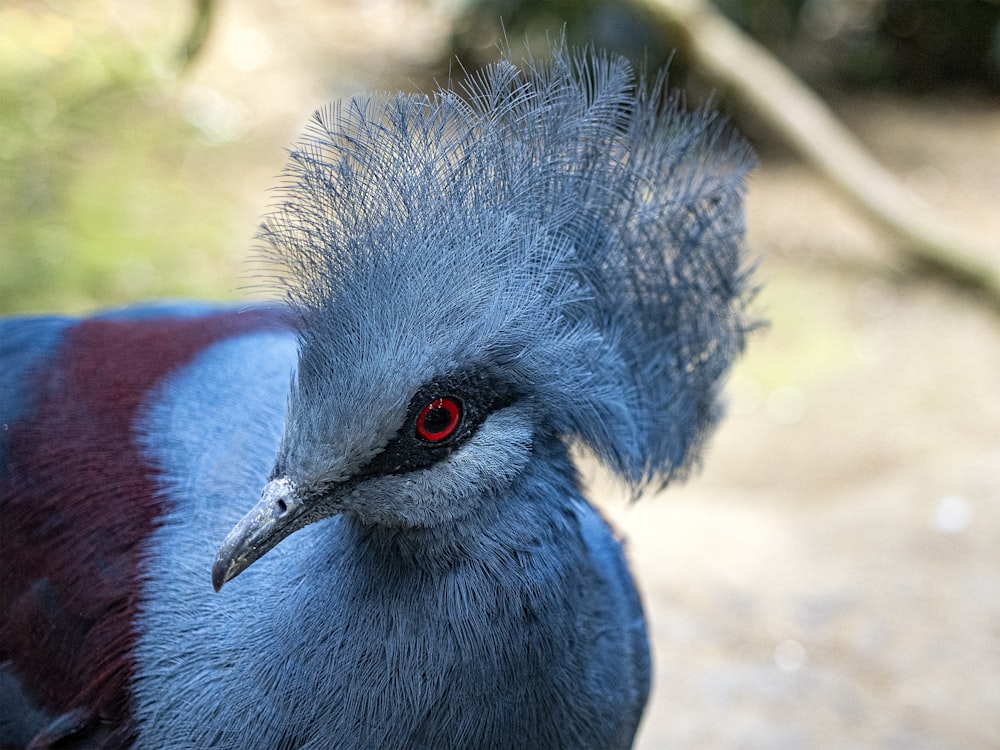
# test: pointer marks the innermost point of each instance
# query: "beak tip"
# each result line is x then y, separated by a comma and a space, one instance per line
218, 579
278, 514
222, 572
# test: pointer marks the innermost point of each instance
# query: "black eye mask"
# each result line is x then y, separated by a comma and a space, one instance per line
441, 417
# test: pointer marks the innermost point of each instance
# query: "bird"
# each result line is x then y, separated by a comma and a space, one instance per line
376, 467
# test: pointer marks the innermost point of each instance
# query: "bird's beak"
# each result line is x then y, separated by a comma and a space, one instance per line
279, 513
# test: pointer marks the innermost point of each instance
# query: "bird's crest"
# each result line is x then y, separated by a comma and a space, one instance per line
572, 226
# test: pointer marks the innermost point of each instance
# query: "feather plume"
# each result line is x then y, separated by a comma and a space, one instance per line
571, 225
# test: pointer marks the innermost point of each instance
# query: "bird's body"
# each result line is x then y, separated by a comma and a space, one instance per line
207, 391
470, 286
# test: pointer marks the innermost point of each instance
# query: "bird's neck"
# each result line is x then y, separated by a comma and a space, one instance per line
511, 519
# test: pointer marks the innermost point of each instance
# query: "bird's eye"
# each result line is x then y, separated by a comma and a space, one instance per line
438, 420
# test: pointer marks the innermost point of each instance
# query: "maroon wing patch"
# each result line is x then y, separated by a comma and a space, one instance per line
78, 504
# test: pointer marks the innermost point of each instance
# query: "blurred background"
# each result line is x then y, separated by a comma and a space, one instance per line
831, 579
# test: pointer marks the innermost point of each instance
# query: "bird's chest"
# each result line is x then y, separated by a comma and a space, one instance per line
462, 659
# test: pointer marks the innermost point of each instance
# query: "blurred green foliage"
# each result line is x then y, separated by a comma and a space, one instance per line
911, 46
907, 46
99, 173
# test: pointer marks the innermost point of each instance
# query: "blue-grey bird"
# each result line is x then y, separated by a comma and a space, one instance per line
471, 283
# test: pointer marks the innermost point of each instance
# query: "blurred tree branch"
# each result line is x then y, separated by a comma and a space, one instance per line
194, 42
762, 84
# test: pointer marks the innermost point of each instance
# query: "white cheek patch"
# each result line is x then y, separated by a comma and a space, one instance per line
451, 488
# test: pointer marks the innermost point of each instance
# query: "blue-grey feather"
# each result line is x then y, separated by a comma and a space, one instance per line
24, 345
520, 623
575, 224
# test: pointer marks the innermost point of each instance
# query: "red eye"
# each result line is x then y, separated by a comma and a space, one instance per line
438, 420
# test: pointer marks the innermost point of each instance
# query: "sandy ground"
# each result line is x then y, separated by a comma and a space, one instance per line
832, 578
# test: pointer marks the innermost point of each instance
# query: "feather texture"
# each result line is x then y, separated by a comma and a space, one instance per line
573, 223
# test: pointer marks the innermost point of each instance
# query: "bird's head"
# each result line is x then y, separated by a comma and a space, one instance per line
553, 256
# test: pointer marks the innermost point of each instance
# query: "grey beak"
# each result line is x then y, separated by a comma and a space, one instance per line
279, 513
